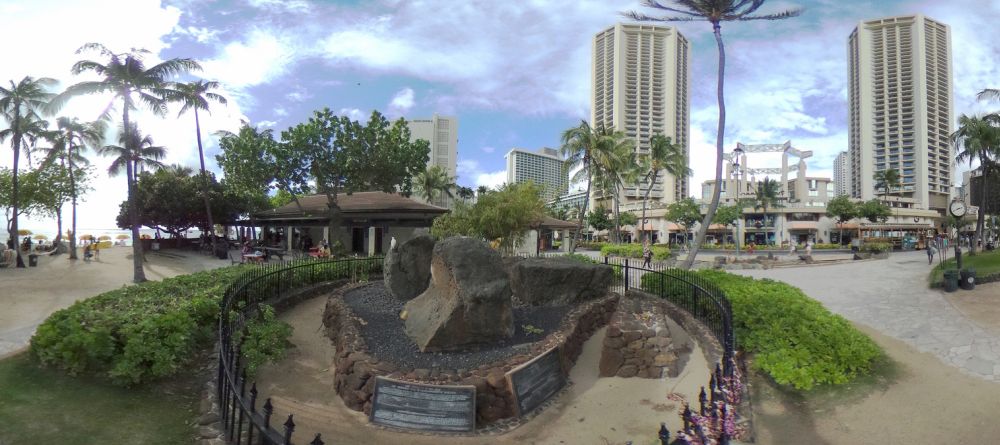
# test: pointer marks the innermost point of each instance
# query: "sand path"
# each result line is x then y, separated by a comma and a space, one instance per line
29, 295
593, 410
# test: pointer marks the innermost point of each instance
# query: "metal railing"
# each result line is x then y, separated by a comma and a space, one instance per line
242, 422
702, 299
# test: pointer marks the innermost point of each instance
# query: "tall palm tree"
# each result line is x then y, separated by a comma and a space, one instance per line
21, 101
614, 167
126, 76
886, 180
768, 196
143, 156
70, 139
978, 139
579, 144
714, 12
434, 181
196, 96
989, 94
666, 156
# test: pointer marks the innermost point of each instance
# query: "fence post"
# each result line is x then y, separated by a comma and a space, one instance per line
664, 434
626, 274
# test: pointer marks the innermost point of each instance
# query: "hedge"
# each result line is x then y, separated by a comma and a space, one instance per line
634, 250
794, 338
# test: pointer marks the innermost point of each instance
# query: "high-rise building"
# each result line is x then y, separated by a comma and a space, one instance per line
544, 168
442, 133
842, 173
640, 85
900, 94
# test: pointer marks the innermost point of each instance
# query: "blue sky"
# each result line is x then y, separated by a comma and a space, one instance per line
515, 73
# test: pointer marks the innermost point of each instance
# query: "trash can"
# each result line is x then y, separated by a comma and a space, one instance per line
222, 250
951, 280
968, 278
33, 260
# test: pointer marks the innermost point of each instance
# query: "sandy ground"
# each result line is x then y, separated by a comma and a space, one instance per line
981, 305
916, 400
28, 296
593, 411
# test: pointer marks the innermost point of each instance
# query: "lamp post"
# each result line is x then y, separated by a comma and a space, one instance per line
737, 153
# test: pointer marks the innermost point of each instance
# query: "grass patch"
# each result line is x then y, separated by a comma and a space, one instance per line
985, 263
40, 405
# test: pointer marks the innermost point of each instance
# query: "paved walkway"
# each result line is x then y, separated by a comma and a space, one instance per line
892, 297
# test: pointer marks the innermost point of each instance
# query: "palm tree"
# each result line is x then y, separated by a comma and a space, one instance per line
143, 156
615, 166
887, 180
69, 141
714, 12
579, 144
195, 96
19, 102
466, 193
663, 155
978, 138
989, 94
432, 182
768, 196
126, 76
482, 190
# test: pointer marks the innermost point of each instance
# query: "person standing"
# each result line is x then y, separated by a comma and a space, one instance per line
809, 248
930, 254
647, 255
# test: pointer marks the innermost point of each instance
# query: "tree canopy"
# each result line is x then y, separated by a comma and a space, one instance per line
501, 216
874, 210
684, 212
169, 199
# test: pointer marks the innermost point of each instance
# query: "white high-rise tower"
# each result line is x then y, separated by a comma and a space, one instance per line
901, 113
842, 174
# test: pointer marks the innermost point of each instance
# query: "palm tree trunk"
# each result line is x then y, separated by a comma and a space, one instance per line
720, 134
72, 185
138, 275
642, 222
204, 177
981, 214
14, 192
618, 222
583, 211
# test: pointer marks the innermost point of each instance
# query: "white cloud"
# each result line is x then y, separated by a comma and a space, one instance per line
354, 114
402, 101
267, 124
492, 180
260, 58
280, 111
295, 6
488, 149
200, 34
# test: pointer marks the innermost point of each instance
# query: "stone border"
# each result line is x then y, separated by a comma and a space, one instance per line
355, 369
209, 424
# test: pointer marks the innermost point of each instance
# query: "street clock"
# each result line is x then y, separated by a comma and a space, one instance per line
957, 209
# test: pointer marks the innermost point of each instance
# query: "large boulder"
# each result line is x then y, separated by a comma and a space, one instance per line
468, 301
558, 281
408, 267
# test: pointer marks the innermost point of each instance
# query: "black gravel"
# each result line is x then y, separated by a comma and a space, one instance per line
386, 339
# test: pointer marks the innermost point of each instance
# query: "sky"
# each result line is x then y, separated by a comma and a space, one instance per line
515, 74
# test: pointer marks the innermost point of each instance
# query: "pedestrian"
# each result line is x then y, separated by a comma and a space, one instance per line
647, 256
930, 254
809, 248
791, 248
751, 247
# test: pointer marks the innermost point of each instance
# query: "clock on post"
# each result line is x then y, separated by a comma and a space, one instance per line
957, 209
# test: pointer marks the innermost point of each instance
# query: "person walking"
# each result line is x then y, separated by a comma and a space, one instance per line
930, 254
647, 255
809, 248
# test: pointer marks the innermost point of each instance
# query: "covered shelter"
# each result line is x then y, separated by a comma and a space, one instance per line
369, 221
541, 236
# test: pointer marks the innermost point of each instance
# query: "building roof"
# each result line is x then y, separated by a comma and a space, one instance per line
356, 205
548, 222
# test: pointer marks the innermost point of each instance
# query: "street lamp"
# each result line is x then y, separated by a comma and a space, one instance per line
737, 154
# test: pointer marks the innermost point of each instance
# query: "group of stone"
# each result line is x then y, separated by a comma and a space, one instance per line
460, 292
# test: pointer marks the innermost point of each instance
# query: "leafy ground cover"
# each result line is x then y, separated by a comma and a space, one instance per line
794, 339
985, 264
43, 405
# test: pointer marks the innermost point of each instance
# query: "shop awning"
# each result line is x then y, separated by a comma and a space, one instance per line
802, 225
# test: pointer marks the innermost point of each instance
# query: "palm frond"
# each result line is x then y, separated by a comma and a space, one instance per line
989, 94
776, 16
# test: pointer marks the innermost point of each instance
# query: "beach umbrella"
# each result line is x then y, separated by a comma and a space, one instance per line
24, 232
104, 238
122, 236
40, 236
87, 236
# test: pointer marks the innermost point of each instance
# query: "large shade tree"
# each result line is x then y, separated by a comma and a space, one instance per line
196, 96
19, 106
978, 140
251, 171
128, 79
714, 12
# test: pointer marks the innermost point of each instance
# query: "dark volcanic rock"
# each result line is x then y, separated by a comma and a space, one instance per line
408, 267
558, 281
468, 302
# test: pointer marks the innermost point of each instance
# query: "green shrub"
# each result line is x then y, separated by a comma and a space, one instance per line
795, 339
590, 245
876, 247
827, 246
634, 250
265, 340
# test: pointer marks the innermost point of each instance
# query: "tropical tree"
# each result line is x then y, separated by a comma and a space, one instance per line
886, 180
144, 155
196, 96
501, 216
482, 190
466, 193
579, 144
978, 139
684, 213
714, 12
768, 196
69, 141
844, 210
614, 167
874, 210
728, 215
989, 94
126, 76
598, 219
19, 105
432, 182
666, 156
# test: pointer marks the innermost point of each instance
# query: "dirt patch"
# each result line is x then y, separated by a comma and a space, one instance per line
912, 398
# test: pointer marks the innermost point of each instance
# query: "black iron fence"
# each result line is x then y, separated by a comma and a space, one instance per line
243, 422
